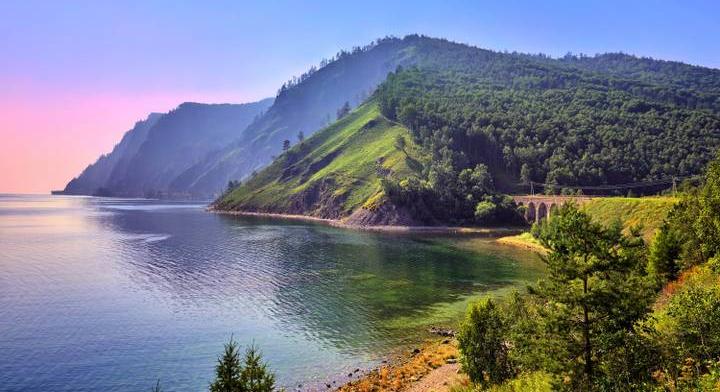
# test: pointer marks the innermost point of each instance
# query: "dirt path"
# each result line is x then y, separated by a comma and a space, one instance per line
438, 380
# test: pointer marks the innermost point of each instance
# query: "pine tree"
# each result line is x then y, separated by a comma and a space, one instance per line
255, 376
400, 143
344, 110
286, 145
228, 370
594, 294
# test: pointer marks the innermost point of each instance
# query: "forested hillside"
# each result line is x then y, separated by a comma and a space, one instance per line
554, 121
489, 122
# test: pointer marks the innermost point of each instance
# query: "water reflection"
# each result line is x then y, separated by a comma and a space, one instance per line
133, 290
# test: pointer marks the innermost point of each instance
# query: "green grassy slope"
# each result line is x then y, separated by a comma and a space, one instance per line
332, 173
647, 212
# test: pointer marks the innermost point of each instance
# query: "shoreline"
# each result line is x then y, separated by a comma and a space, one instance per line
486, 231
432, 366
436, 366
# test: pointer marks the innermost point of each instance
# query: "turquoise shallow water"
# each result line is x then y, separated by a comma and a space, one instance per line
112, 294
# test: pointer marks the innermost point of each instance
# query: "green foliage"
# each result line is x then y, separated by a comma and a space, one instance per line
484, 210
691, 233
336, 171
400, 142
248, 375
255, 376
569, 126
594, 294
686, 331
482, 343
664, 254
528, 382
232, 184
227, 370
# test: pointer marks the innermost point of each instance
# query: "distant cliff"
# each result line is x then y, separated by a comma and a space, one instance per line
92, 180
152, 154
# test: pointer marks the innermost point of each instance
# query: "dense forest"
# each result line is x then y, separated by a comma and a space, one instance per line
609, 119
490, 123
614, 313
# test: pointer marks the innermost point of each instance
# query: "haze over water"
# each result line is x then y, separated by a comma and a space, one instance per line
112, 294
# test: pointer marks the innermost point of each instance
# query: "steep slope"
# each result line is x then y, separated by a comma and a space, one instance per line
334, 172
93, 179
304, 105
647, 213
177, 141
519, 118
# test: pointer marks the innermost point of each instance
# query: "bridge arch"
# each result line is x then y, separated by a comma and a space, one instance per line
530, 214
540, 207
542, 212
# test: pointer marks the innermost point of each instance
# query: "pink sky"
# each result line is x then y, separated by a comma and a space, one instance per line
75, 75
49, 136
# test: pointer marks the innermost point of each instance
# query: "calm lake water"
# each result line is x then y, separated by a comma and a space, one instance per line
112, 294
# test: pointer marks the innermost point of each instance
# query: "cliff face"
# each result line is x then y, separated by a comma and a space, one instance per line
95, 177
152, 154
176, 142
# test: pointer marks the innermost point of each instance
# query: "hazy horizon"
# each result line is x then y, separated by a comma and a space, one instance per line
77, 76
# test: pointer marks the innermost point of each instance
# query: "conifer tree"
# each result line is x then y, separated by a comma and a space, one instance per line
228, 370
594, 293
255, 376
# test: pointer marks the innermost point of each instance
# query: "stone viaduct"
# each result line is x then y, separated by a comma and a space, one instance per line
540, 207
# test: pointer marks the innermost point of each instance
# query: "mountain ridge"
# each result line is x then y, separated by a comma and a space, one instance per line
487, 121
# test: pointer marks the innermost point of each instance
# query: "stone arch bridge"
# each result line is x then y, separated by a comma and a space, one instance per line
540, 207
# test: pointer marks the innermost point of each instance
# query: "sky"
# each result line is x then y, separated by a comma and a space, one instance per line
75, 75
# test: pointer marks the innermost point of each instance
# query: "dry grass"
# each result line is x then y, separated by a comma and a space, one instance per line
400, 375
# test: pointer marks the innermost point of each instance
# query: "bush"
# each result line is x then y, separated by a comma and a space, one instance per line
482, 343
687, 330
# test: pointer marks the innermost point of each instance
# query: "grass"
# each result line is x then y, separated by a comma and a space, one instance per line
526, 382
647, 213
343, 160
524, 240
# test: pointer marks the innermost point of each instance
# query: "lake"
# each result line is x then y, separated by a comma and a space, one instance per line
113, 294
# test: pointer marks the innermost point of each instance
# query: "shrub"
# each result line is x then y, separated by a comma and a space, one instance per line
482, 343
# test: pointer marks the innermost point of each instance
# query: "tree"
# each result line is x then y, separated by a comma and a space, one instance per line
286, 145
663, 255
301, 137
482, 343
484, 210
249, 375
255, 376
594, 292
228, 370
344, 110
400, 143
525, 174
232, 184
